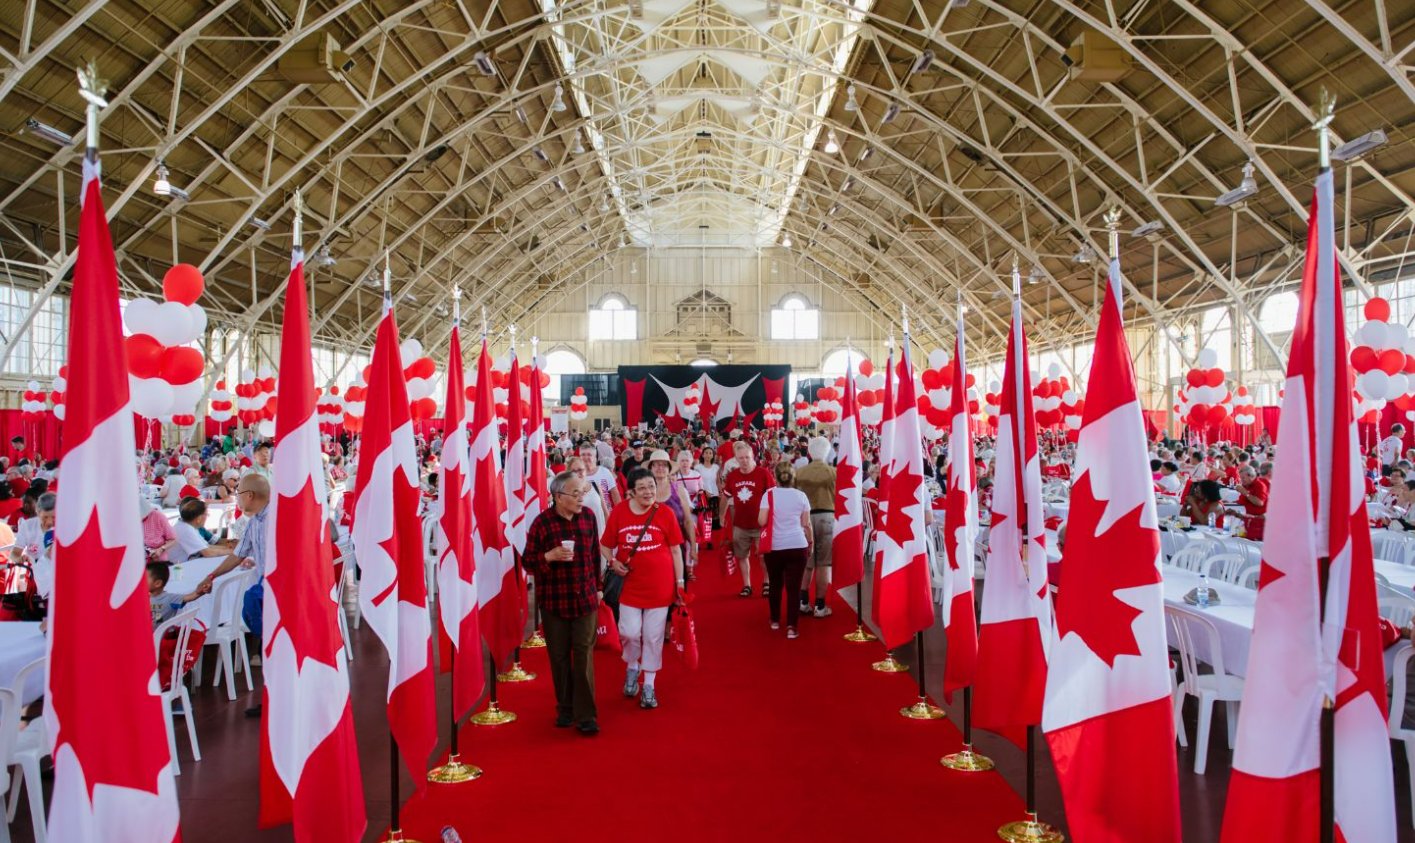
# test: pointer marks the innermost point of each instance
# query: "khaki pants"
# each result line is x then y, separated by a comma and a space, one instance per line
570, 645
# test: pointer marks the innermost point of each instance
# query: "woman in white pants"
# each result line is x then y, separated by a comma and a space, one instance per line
647, 545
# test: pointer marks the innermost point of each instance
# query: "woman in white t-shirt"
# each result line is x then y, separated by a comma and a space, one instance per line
785, 517
708, 472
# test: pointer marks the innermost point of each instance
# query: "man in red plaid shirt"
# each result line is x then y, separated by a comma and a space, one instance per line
563, 552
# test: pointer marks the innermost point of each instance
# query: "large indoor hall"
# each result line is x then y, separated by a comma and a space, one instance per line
427, 421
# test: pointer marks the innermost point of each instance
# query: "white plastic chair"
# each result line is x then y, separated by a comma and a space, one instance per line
25, 749
1207, 688
341, 612
1399, 690
1228, 567
1251, 551
176, 689
9, 734
1192, 557
430, 556
228, 633
1398, 608
1393, 546
1249, 576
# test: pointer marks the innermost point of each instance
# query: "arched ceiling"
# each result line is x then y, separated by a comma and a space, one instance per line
507, 147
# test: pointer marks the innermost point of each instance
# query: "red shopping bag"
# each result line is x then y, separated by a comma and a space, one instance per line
168, 649
684, 634
606, 633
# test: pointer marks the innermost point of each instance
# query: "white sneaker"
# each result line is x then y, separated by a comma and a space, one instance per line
775, 625
823, 612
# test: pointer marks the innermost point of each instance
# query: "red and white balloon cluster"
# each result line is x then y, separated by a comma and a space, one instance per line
1244, 412
58, 387
580, 405
827, 408
773, 413
937, 400
354, 398
220, 408
1054, 402
501, 387
255, 400
33, 405
692, 401
164, 372
869, 394
418, 372
1382, 358
801, 411
992, 403
329, 407
1206, 400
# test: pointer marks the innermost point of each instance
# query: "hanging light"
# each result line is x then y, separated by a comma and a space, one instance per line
786, 240
832, 146
161, 186
559, 104
850, 103
579, 148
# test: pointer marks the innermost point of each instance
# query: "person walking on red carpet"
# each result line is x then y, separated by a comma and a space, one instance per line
741, 494
785, 518
817, 481
562, 553
647, 546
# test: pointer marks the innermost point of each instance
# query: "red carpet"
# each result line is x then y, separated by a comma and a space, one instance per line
792, 740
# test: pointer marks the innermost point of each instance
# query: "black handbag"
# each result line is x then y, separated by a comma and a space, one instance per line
613, 584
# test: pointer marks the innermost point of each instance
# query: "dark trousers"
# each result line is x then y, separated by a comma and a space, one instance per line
570, 644
784, 566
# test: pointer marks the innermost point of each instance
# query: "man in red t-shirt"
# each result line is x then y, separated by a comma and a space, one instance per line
1254, 497
741, 491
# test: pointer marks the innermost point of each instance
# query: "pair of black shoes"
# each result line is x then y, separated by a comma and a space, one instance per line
588, 727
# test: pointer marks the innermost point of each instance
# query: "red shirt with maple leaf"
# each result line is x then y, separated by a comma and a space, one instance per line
745, 490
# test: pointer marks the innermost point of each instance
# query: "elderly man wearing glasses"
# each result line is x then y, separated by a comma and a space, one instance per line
562, 552
253, 496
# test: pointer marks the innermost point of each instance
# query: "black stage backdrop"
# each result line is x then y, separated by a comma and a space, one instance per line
731, 394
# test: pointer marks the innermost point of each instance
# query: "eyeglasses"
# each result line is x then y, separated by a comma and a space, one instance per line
576, 495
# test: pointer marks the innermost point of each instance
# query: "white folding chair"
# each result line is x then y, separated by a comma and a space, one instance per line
1251, 551
1226, 566
1192, 557
340, 612
26, 747
176, 689
1396, 607
1399, 689
9, 734
1207, 688
228, 633
430, 556
1249, 577
1393, 546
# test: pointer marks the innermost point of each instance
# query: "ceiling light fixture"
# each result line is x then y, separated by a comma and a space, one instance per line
1360, 146
1085, 255
322, 257
257, 222
559, 103
540, 154
48, 132
1246, 188
1036, 275
922, 63
832, 145
847, 184
603, 206
786, 241
177, 193
485, 63
1151, 227
521, 116
161, 186
890, 113
773, 9
636, 8
850, 102
579, 147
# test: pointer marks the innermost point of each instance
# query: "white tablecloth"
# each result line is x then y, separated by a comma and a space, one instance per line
1233, 616
21, 642
1399, 576
188, 575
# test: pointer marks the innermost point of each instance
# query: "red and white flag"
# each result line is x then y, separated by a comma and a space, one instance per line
886, 442
309, 771
501, 606
905, 603
1296, 659
847, 546
960, 533
537, 490
113, 778
456, 564
514, 472
1108, 716
388, 542
1016, 630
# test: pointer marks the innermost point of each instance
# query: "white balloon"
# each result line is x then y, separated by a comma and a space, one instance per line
1372, 334
972, 393
994, 386
247, 375
266, 428
60, 384
1053, 402
938, 358
1375, 383
502, 363
1398, 386
32, 386
500, 394
140, 315
172, 325
1073, 422
940, 397
1396, 335
59, 412
197, 314
1054, 371
419, 388
151, 397
1208, 358
411, 350
1378, 404
1069, 397
185, 398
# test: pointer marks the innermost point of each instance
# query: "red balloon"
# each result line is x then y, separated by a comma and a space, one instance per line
268, 385
970, 380
429, 406
144, 355
1195, 377
544, 380
415, 409
923, 404
501, 411
183, 284
932, 378
1409, 365
1392, 361
56, 397
867, 398
64, 371
1377, 309
1214, 377
867, 368
827, 393
1217, 413
423, 367
1371, 417
334, 390
221, 385
973, 407
1198, 415
498, 379
181, 365
1079, 408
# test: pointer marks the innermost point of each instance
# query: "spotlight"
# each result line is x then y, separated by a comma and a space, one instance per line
49, 133
559, 103
178, 193
832, 146
579, 147
1085, 255
850, 103
161, 186
540, 155
1360, 146
1246, 188
323, 258
786, 241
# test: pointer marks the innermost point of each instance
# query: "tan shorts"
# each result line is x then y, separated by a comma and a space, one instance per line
744, 540
823, 528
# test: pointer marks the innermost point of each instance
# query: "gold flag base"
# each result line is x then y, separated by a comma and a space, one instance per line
1030, 831
454, 772
493, 716
922, 710
967, 761
395, 835
535, 641
890, 665
860, 636
515, 674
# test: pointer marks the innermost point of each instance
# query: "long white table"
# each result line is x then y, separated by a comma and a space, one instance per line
188, 575
21, 642
1232, 615
1399, 576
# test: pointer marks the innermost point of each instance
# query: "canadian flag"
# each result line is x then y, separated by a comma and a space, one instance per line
389, 547
309, 772
886, 442
456, 564
905, 592
514, 475
1108, 716
500, 604
1016, 629
537, 489
960, 532
113, 778
1297, 658
847, 546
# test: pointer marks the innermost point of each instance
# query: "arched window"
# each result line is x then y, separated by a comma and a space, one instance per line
561, 361
704, 362
795, 319
833, 366
614, 319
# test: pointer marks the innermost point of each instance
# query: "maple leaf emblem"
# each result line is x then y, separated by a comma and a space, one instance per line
744, 493
898, 523
302, 580
845, 478
707, 408
955, 516
133, 755
1095, 567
